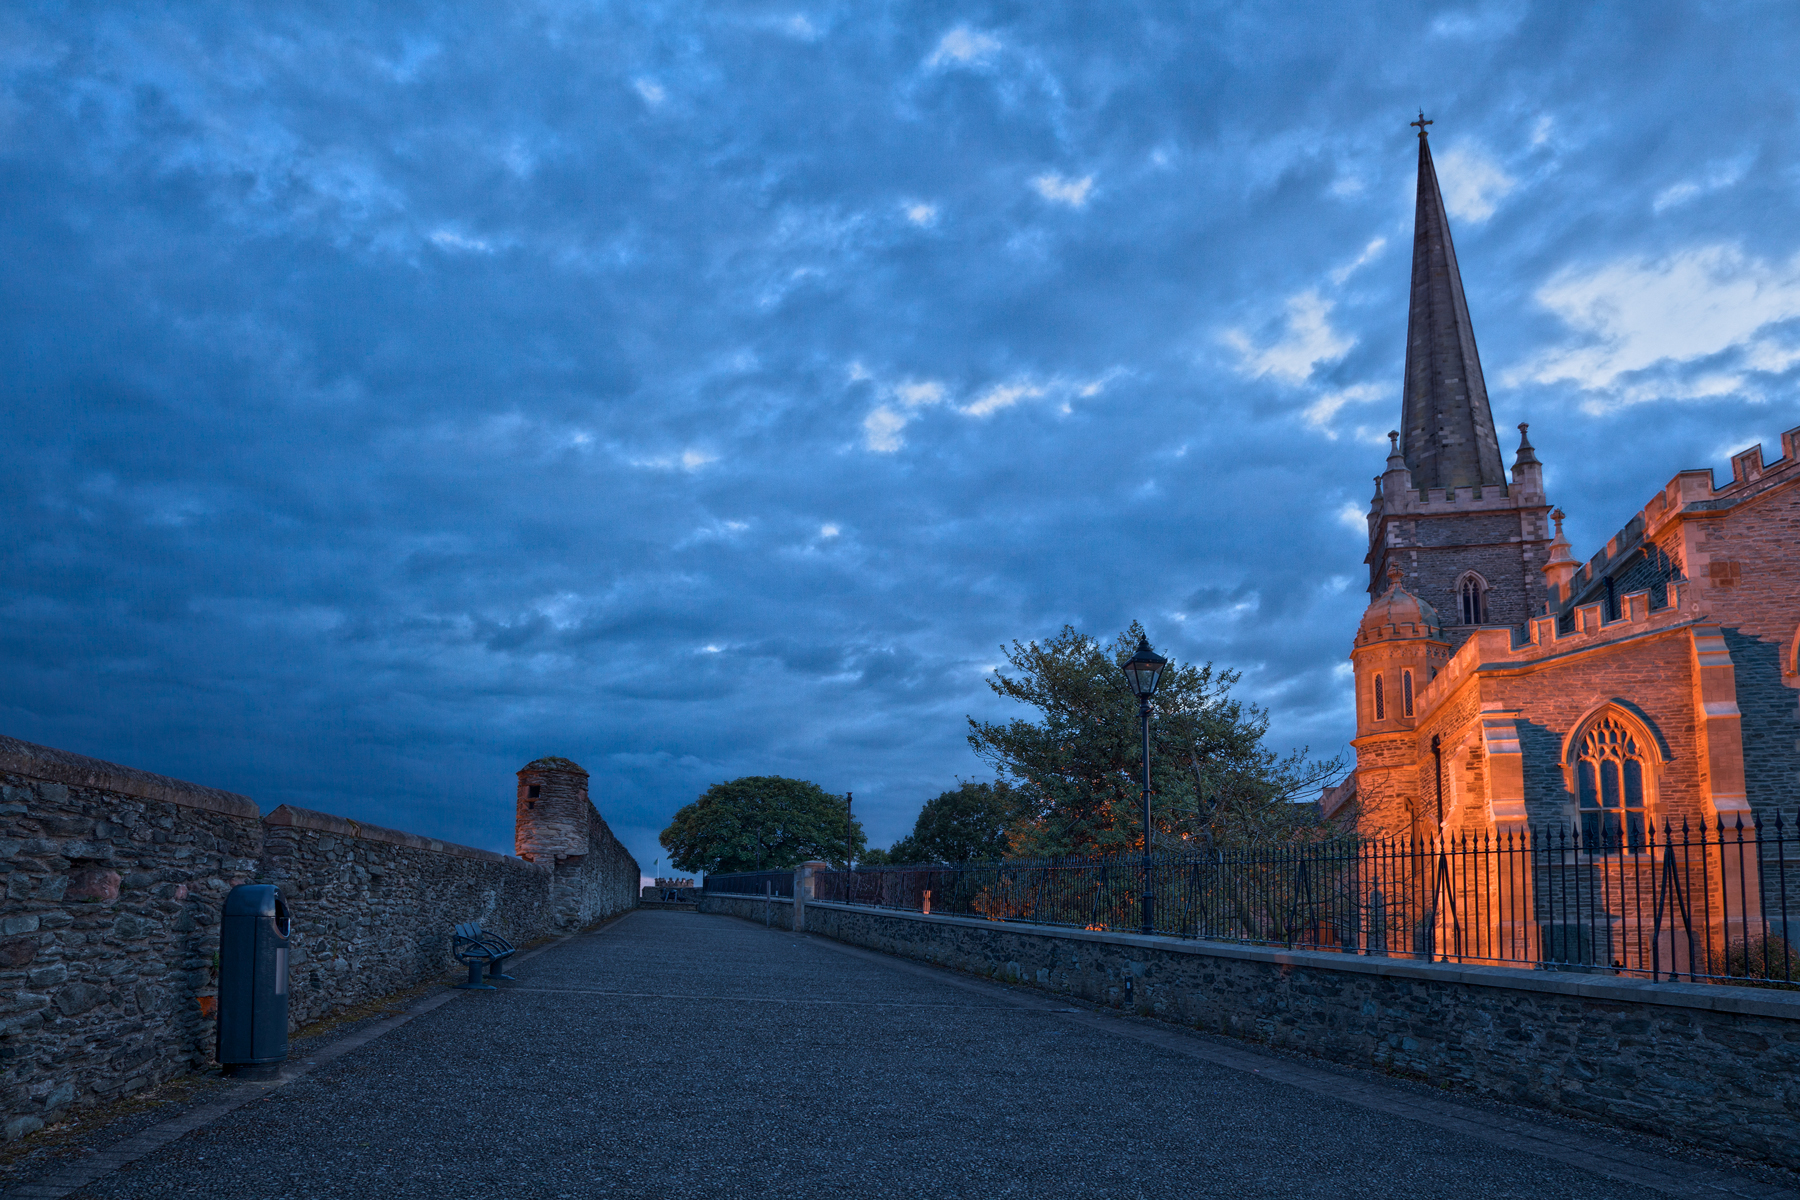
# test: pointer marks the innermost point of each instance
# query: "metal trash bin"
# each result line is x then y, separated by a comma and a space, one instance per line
253, 981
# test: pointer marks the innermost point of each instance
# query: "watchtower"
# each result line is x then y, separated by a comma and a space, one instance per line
553, 812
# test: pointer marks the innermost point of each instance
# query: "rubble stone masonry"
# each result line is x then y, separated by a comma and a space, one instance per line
1712, 1066
558, 827
114, 880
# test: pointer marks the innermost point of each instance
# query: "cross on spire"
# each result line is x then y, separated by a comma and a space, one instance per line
1421, 123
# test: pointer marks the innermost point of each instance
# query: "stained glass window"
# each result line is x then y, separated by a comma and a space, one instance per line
1610, 787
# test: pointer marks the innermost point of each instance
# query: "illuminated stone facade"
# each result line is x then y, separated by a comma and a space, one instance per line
1502, 685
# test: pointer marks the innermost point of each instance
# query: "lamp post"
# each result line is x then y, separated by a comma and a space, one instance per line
1144, 671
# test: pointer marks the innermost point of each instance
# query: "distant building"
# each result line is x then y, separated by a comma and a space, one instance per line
1502, 684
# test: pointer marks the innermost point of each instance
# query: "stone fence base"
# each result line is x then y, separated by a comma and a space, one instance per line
777, 912
1709, 1065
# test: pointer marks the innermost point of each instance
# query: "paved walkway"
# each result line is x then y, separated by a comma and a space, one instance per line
678, 1055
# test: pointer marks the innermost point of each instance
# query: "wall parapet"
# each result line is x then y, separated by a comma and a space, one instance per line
78, 770
306, 818
1617, 989
1705, 1064
774, 911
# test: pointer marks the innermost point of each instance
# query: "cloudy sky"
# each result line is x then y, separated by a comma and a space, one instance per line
394, 394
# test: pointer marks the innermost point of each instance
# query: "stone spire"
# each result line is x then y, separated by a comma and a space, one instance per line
1448, 427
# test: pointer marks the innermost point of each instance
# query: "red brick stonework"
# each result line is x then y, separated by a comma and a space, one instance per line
1700, 668
1494, 660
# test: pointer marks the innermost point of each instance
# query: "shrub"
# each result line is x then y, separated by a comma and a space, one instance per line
1763, 962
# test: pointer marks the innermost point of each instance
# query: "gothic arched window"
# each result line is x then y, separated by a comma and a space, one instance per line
1406, 694
1380, 701
1472, 595
1610, 785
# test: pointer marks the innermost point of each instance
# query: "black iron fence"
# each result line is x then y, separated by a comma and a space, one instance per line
751, 883
1713, 903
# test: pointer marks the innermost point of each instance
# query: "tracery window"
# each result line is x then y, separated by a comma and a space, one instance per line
1473, 594
1380, 701
1610, 784
1406, 694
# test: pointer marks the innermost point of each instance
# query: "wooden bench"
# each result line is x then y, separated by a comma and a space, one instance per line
475, 950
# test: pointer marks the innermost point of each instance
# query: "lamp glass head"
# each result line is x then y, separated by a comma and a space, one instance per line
1144, 670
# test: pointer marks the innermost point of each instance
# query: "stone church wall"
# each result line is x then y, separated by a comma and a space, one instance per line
114, 880
1437, 551
1745, 568
1748, 575
1653, 675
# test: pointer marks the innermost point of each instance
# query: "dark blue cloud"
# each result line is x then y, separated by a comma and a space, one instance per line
699, 390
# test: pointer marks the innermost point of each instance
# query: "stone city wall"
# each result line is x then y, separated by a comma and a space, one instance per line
775, 911
114, 880
372, 908
557, 826
1708, 1065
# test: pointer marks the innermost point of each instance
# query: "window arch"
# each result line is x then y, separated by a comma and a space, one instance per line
1380, 701
1612, 785
1471, 599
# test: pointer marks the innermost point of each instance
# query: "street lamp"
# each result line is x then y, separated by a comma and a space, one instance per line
1144, 671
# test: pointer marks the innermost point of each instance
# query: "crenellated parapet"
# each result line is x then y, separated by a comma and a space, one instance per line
1668, 540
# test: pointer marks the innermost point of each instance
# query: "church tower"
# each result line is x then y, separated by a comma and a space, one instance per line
1463, 538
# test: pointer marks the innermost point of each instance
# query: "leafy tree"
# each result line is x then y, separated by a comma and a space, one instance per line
761, 823
1077, 770
972, 823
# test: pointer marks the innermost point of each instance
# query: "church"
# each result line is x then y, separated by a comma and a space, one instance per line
1505, 687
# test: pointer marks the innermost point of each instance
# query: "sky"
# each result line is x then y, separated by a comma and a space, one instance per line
394, 394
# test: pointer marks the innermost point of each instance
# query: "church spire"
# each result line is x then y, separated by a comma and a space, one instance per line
1449, 428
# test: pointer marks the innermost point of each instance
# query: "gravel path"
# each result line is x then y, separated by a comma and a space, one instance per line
673, 1054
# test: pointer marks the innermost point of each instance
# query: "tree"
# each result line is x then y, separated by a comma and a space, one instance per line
1077, 770
761, 823
972, 823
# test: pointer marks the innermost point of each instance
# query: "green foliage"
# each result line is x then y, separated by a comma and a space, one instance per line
1763, 962
973, 823
1077, 769
875, 858
761, 823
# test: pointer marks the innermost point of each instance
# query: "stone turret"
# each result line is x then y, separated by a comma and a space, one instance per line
558, 827
1400, 643
552, 818
1399, 648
